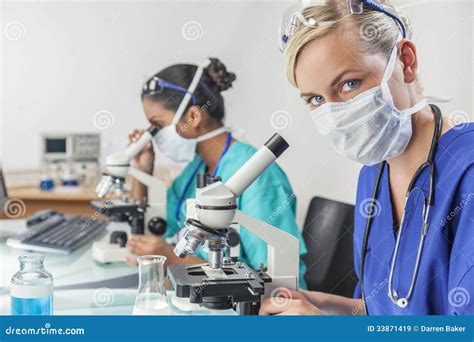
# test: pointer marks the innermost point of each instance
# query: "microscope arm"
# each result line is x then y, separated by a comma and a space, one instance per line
283, 249
156, 188
155, 213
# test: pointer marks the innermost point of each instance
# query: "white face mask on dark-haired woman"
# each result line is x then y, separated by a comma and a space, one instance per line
368, 128
178, 148
170, 142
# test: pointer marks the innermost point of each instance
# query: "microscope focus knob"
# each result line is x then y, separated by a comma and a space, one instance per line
233, 237
157, 225
118, 238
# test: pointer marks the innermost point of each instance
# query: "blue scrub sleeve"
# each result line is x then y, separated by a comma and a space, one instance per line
276, 206
461, 265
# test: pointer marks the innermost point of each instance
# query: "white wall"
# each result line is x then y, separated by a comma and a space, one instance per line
73, 59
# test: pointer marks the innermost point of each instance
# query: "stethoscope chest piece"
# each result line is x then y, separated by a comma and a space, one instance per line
402, 303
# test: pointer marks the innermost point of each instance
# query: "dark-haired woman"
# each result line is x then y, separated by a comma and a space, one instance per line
192, 131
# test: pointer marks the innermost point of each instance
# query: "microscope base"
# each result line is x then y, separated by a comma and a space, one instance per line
105, 252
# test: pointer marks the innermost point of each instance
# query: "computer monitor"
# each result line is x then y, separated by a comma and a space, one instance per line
3, 192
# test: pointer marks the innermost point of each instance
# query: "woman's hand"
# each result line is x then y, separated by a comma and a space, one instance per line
144, 160
288, 302
148, 245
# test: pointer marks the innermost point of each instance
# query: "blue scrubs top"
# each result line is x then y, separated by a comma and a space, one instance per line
445, 282
269, 198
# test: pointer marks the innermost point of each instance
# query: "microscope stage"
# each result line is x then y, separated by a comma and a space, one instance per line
218, 289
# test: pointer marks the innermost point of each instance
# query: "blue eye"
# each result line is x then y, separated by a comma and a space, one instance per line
350, 85
316, 100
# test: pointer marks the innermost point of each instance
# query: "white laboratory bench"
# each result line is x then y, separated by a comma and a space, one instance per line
81, 286
72, 270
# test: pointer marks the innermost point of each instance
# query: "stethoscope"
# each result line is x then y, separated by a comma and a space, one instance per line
182, 197
402, 301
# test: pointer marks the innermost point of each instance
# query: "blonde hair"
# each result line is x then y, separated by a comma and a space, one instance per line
377, 32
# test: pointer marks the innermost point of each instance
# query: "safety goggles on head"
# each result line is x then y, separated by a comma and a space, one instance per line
293, 18
157, 85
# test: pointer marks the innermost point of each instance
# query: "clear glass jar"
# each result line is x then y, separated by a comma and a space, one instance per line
31, 288
151, 298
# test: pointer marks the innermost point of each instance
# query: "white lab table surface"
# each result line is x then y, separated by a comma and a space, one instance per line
73, 270
101, 301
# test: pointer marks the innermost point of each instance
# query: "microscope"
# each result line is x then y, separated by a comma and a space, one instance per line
223, 283
142, 218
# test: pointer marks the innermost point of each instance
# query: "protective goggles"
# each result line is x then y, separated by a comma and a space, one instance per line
293, 18
157, 85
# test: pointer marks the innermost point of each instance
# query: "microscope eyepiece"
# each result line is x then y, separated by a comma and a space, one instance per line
153, 130
277, 144
212, 179
205, 179
257, 164
201, 180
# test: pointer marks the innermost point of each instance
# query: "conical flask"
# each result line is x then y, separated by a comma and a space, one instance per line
151, 298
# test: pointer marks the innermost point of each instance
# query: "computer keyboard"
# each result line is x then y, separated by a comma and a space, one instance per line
59, 234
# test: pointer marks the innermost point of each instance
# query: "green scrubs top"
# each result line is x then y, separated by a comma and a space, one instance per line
269, 198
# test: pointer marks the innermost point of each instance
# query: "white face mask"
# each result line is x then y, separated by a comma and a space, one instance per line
170, 142
368, 128
179, 149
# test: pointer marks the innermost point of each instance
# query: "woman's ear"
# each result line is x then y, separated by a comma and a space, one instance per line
409, 59
194, 116
190, 121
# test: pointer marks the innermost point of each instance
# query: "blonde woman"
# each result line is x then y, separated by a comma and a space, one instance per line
356, 67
